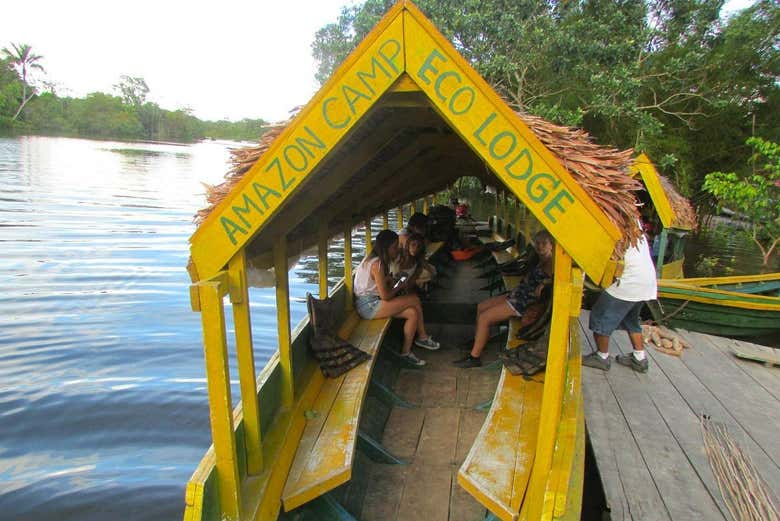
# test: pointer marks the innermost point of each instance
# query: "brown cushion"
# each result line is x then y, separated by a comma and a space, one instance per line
335, 355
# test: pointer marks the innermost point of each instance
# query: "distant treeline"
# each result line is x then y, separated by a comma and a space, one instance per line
127, 116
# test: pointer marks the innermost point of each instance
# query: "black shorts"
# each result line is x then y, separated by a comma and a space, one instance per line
610, 313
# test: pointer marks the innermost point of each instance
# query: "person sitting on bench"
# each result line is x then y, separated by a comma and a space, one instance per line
411, 263
377, 297
514, 304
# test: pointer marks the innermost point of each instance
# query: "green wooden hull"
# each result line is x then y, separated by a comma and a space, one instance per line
712, 309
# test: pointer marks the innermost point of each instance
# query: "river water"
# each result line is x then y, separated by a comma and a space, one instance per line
103, 407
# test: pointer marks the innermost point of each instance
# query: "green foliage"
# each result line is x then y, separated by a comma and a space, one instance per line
669, 77
756, 196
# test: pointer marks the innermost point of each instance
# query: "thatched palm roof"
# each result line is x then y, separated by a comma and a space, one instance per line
601, 171
684, 214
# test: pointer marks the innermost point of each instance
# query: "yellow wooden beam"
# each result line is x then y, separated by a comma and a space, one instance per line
508, 146
425, 205
385, 221
400, 217
554, 385
348, 266
332, 113
322, 258
368, 236
220, 404
239, 297
283, 320
646, 170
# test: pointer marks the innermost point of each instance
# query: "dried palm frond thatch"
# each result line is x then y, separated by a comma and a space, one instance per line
601, 171
684, 214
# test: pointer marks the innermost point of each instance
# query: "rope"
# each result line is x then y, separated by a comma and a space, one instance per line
744, 491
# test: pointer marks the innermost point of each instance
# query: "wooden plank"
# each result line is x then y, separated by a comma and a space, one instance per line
756, 411
427, 493
325, 460
438, 440
766, 377
628, 484
499, 463
763, 354
661, 424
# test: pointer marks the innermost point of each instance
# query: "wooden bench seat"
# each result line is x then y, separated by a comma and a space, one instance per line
326, 450
498, 466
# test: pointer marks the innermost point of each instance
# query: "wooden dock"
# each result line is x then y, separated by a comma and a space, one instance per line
645, 429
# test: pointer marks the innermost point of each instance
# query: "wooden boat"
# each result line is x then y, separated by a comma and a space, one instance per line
402, 118
747, 305
674, 213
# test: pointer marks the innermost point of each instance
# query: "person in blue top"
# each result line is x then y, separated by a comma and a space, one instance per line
514, 304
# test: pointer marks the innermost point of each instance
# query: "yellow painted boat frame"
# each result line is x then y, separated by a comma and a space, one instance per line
243, 474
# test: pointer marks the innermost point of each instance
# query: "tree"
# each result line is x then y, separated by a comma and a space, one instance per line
756, 195
132, 89
669, 77
23, 60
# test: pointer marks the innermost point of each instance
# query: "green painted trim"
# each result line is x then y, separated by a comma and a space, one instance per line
375, 451
388, 397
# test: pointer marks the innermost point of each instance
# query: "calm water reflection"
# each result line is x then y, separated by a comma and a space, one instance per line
103, 411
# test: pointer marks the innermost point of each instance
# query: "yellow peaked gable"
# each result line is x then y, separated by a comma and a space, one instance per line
645, 168
406, 43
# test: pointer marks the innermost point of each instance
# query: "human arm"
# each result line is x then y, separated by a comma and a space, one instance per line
383, 284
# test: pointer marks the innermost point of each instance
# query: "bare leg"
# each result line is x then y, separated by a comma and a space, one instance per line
409, 308
636, 341
491, 302
602, 342
491, 315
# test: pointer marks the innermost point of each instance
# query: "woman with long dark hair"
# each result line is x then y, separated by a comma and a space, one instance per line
377, 297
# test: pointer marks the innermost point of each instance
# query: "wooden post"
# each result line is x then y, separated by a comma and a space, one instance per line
517, 220
239, 297
368, 236
400, 217
425, 205
212, 314
495, 215
283, 320
348, 265
554, 380
659, 262
385, 222
322, 260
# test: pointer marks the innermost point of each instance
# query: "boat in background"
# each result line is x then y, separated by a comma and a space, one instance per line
747, 305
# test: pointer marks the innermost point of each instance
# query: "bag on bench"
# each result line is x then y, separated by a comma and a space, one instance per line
335, 355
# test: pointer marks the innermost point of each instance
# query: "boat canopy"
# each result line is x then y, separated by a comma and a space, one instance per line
674, 210
403, 117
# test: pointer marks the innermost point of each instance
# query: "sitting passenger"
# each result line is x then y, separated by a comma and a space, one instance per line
411, 263
514, 304
376, 297
418, 223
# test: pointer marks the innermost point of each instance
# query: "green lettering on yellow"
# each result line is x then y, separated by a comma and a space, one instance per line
524, 154
555, 203
231, 228
428, 66
362, 76
264, 192
240, 210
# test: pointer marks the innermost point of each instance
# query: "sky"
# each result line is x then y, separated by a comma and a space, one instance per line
224, 59
228, 59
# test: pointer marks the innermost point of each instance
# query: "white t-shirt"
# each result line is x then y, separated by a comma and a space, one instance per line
637, 283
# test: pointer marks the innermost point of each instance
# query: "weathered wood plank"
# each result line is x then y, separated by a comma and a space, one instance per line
324, 457
499, 464
628, 484
654, 415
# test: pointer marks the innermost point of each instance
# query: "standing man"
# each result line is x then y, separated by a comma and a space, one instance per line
618, 307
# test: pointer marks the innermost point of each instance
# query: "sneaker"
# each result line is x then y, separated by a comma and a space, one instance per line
594, 360
427, 343
630, 360
411, 359
468, 362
